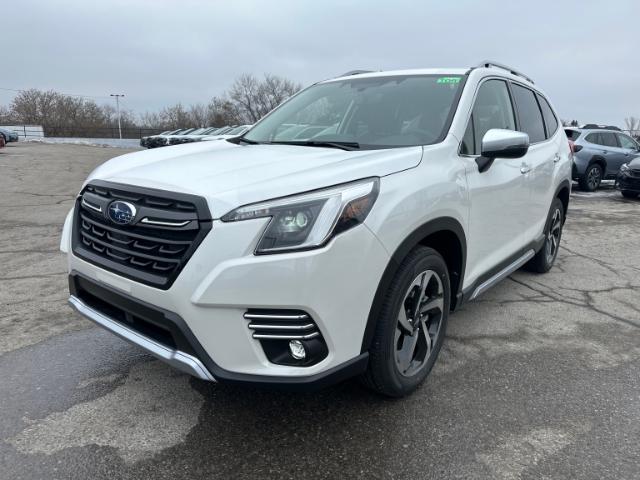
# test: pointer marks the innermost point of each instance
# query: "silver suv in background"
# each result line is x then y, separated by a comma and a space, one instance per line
599, 152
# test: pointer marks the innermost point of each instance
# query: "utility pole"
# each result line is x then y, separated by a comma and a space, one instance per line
118, 95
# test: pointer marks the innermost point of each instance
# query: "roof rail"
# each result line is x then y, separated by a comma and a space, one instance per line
489, 63
594, 126
355, 72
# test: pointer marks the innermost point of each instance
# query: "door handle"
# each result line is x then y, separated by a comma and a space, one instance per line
556, 158
525, 169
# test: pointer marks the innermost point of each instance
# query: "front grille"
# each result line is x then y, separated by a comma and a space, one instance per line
154, 246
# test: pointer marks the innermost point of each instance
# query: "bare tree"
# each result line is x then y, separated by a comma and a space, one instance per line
248, 100
632, 124
244, 93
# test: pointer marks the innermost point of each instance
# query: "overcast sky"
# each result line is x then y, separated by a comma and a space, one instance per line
582, 53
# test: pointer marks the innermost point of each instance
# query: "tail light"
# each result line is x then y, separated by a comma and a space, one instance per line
574, 148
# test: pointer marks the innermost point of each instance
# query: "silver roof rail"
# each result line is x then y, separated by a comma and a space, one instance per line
355, 72
489, 63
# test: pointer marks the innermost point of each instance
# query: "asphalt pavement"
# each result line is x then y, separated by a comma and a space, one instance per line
538, 379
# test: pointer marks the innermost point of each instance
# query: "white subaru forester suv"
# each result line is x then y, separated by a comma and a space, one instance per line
333, 238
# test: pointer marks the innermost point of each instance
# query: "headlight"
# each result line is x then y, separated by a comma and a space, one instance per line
309, 220
624, 167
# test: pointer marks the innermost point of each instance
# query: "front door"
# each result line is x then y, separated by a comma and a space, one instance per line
498, 197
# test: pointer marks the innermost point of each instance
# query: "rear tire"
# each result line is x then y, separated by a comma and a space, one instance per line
411, 325
546, 256
591, 179
628, 194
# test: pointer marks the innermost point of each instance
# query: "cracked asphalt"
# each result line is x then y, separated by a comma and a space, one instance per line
538, 378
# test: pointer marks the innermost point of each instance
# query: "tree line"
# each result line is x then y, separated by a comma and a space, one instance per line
247, 100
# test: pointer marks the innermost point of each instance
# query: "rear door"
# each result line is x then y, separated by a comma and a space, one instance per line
541, 159
497, 196
602, 146
616, 155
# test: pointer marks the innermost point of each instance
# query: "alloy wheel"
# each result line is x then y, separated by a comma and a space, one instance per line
553, 236
594, 177
419, 321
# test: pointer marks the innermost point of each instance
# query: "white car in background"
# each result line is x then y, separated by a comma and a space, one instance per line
233, 132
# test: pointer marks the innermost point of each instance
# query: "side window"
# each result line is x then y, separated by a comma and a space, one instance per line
492, 109
550, 120
608, 139
627, 142
529, 113
594, 138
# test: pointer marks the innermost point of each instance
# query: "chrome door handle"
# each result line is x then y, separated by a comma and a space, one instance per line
525, 169
556, 159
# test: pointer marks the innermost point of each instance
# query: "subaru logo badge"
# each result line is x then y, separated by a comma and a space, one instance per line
121, 213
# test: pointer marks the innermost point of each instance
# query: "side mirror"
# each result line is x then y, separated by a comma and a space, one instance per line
499, 143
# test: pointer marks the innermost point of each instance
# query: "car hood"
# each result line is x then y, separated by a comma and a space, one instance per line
230, 175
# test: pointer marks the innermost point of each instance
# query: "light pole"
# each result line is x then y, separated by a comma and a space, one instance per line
118, 95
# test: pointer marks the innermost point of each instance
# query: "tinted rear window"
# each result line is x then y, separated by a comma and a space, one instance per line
529, 113
572, 135
606, 139
550, 120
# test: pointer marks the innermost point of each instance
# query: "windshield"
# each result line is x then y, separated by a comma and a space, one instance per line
374, 112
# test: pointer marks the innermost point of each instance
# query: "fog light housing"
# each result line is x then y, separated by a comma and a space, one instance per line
297, 350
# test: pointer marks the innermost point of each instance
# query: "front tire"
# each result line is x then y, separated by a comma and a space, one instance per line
591, 179
411, 326
546, 256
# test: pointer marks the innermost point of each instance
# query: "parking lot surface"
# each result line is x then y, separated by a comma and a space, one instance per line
538, 378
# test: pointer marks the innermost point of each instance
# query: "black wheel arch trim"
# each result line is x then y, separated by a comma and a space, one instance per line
442, 224
565, 184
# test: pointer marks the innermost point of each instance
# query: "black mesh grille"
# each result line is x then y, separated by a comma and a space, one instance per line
154, 247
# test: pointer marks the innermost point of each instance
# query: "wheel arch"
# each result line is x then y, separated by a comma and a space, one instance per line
562, 192
445, 235
600, 161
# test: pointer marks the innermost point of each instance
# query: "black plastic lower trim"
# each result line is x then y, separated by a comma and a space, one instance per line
186, 341
468, 292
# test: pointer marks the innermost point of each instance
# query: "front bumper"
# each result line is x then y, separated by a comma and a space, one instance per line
335, 285
628, 182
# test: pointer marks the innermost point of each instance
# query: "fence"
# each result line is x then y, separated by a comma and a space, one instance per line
35, 131
26, 131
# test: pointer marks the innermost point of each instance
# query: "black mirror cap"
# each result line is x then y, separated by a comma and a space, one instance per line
512, 151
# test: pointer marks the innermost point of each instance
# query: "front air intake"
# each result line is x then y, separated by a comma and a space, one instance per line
280, 330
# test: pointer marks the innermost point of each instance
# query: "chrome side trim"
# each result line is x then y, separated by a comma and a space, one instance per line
177, 359
164, 223
502, 274
266, 316
257, 326
275, 336
91, 207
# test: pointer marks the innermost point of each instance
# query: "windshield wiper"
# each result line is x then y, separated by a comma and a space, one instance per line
322, 143
238, 140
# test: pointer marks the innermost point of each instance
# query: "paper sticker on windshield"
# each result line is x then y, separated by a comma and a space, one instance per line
449, 80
